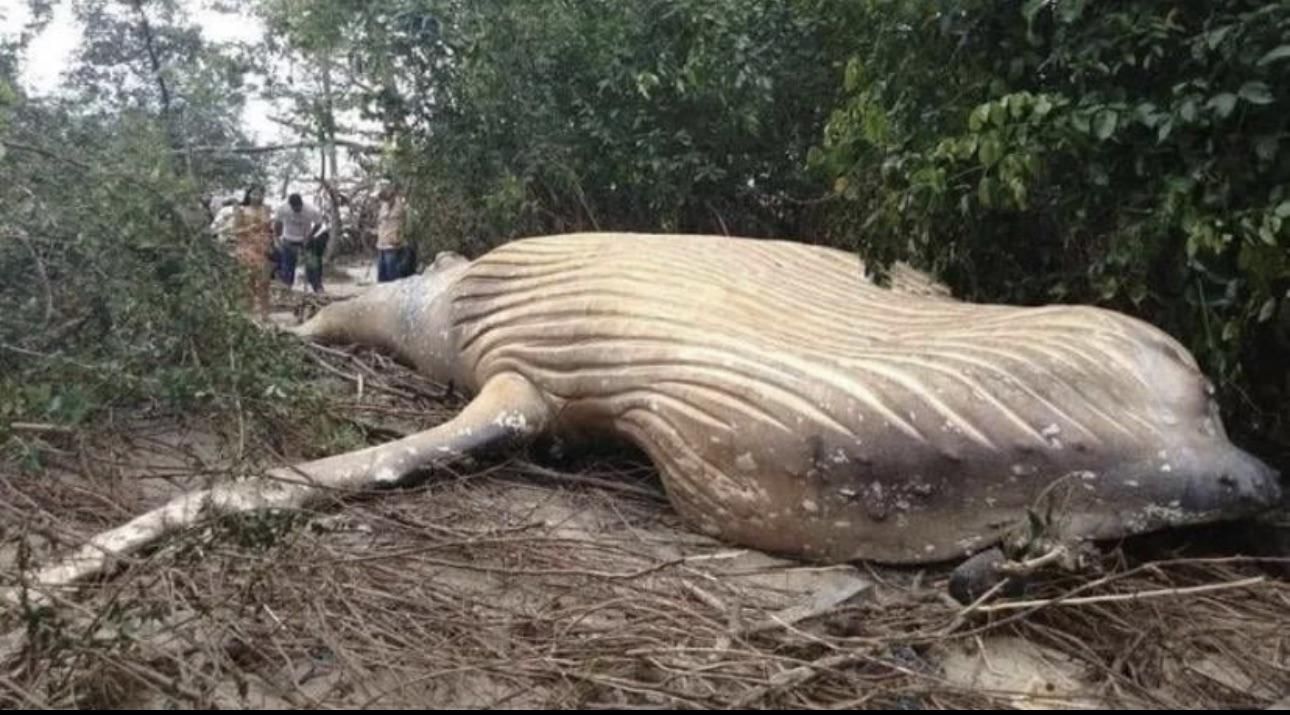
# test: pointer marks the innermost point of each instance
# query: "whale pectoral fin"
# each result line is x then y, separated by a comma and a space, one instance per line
508, 409
507, 412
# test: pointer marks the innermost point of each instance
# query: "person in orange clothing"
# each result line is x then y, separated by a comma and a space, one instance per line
253, 232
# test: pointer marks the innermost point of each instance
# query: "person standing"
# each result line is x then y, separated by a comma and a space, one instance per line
392, 255
253, 233
315, 248
293, 223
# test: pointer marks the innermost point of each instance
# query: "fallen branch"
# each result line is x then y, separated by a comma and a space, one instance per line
40, 427
1021, 568
607, 484
1121, 597
797, 676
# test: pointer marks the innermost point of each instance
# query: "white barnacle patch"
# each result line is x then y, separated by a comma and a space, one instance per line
385, 475
1169, 515
513, 421
847, 493
1132, 483
1166, 467
929, 548
841, 525
746, 462
1023, 470
991, 501
1050, 433
809, 506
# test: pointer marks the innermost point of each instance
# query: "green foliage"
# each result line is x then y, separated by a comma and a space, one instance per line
111, 292
1134, 156
535, 116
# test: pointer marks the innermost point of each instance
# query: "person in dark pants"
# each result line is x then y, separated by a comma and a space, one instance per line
293, 224
395, 258
314, 249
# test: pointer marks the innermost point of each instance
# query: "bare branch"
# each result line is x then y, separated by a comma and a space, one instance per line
1118, 597
270, 148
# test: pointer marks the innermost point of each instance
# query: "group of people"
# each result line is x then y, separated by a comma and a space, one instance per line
270, 244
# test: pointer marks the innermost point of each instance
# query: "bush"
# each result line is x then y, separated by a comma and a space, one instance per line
1134, 156
112, 293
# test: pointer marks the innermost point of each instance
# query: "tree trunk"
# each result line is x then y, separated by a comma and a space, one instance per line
329, 144
173, 133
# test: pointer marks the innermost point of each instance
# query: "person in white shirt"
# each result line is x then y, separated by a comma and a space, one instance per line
292, 224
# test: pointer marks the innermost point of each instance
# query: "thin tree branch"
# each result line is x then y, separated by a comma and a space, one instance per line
270, 148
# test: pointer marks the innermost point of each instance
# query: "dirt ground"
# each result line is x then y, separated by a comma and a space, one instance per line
538, 581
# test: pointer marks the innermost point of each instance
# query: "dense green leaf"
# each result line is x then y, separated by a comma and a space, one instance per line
1279, 53
1104, 125
1222, 104
1256, 92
